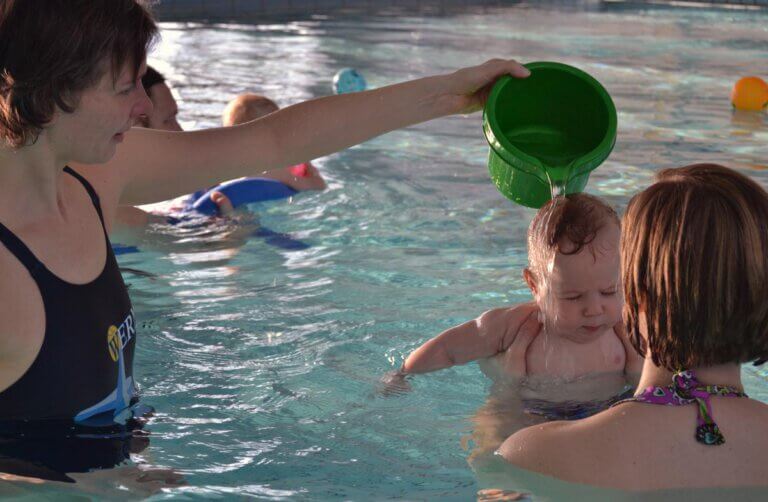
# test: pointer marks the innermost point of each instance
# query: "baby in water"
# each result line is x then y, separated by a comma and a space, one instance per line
572, 330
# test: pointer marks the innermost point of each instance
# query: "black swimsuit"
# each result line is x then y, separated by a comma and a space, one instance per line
82, 378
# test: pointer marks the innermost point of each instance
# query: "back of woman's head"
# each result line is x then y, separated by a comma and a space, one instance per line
694, 261
53, 50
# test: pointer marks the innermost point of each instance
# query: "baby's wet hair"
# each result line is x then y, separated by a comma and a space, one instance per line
566, 225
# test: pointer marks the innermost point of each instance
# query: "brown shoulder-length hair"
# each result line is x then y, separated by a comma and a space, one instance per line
694, 255
51, 51
566, 225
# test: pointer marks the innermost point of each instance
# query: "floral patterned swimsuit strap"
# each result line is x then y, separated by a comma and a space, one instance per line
686, 389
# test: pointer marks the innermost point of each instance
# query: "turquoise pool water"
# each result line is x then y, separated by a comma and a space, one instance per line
263, 363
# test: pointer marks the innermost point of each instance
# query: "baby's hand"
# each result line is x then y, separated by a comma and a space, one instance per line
498, 495
393, 384
223, 203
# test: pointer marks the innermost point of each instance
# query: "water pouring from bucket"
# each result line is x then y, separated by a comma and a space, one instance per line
547, 132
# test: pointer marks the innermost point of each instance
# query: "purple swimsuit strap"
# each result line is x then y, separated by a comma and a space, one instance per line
686, 389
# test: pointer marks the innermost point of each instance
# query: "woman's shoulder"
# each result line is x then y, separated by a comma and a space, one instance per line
651, 439
570, 450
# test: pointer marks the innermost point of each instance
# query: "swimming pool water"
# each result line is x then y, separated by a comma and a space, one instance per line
263, 363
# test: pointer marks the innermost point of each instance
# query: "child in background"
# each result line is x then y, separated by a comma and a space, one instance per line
248, 107
244, 108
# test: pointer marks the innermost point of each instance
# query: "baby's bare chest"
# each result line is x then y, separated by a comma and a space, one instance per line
553, 356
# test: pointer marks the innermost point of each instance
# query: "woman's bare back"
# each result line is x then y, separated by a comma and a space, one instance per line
640, 446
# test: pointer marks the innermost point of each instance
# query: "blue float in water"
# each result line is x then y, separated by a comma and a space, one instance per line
123, 249
240, 191
348, 80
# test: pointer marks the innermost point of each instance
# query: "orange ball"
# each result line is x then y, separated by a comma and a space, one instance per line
750, 93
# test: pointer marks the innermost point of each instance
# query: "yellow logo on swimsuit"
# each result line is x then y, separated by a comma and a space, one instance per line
113, 343
119, 338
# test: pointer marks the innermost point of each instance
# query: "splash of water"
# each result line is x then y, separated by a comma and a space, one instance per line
549, 312
557, 185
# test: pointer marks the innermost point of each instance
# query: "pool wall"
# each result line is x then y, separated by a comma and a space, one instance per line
190, 10
177, 10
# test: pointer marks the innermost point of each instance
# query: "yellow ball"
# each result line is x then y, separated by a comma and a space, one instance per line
750, 93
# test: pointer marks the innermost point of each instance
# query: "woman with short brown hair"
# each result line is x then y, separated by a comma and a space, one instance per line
70, 91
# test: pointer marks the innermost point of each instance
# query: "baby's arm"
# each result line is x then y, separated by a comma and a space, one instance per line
633, 364
491, 333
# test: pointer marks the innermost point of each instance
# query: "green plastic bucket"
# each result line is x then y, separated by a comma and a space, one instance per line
550, 129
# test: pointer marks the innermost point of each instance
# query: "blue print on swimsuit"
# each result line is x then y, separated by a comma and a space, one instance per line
112, 407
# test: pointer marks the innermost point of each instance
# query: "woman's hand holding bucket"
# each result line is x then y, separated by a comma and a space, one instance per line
468, 88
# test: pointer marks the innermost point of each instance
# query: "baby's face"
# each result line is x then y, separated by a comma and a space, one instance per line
580, 298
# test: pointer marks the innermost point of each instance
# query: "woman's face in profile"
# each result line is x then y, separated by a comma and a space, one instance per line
104, 112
